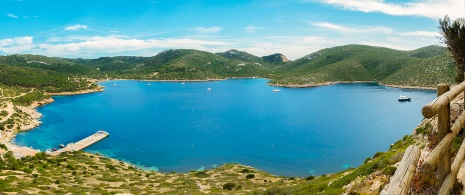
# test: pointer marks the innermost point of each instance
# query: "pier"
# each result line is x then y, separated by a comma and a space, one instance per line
84, 143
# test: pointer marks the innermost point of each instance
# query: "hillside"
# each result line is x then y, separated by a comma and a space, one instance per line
424, 67
187, 64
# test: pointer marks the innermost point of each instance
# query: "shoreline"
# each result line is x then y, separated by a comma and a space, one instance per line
32, 121
308, 85
350, 82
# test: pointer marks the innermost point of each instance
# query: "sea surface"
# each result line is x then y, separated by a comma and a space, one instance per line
171, 126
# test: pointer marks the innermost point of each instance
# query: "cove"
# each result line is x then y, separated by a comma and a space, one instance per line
170, 126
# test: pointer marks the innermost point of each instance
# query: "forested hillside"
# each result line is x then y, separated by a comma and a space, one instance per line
424, 67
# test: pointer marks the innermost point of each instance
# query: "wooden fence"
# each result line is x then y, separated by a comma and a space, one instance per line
440, 157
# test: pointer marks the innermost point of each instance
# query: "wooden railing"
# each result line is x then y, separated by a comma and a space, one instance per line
440, 157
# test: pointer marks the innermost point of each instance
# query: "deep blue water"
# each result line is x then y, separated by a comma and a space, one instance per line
171, 126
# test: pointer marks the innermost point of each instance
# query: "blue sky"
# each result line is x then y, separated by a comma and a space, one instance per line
295, 28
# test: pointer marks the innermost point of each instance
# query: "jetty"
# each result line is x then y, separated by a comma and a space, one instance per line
84, 143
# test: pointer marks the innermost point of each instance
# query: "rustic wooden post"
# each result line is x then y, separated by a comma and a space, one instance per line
400, 181
443, 128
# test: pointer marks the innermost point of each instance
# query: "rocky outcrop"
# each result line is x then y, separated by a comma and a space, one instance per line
276, 58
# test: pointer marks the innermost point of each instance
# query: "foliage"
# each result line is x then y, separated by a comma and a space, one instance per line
422, 67
454, 148
250, 176
229, 186
453, 35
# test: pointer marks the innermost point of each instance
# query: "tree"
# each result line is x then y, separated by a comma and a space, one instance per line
453, 35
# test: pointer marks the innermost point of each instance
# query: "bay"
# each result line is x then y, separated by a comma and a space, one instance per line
170, 126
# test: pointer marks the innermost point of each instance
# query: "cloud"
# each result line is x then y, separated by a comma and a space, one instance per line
116, 44
252, 28
16, 41
12, 15
433, 9
421, 34
76, 27
207, 30
16, 45
353, 29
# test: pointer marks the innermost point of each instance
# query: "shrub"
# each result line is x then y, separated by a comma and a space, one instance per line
378, 154
245, 170
250, 176
390, 170
366, 160
311, 177
229, 186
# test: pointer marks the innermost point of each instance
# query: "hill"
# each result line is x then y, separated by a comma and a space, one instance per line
190, 64
44, 73
367, 63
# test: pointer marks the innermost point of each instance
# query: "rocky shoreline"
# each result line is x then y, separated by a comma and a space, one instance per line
29, 117
347, 82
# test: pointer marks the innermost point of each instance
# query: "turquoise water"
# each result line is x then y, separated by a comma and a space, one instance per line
169, 126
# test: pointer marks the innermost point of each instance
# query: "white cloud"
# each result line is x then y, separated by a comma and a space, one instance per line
16, 45
252, 28
76, 27
208, 30
12, 15
352, 29
421, 34
433, 9
23, 40
115, 45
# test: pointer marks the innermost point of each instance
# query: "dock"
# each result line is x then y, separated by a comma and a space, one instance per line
84, 143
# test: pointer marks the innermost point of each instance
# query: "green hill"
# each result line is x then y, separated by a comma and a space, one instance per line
47, 63
44, 73
424, 67
194, 64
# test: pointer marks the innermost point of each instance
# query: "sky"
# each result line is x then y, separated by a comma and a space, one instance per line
295, 28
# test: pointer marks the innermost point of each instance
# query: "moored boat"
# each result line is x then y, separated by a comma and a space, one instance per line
403, 98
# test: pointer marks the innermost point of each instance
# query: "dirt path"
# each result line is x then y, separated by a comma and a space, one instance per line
10, 110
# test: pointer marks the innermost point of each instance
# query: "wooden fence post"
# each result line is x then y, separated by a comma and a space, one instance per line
443, 128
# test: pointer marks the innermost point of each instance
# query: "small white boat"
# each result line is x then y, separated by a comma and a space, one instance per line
183, 83
403, 98
149, 84
209, 89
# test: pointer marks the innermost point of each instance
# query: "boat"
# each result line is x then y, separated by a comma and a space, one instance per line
276, 89
61, 146
183, 83
54, 149
149, 84
403, 98
209, 89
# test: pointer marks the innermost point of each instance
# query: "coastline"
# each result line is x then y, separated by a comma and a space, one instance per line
349, 82
31, 121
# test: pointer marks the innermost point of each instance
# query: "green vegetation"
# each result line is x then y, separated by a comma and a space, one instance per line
453, 35
82, 173
424, 67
